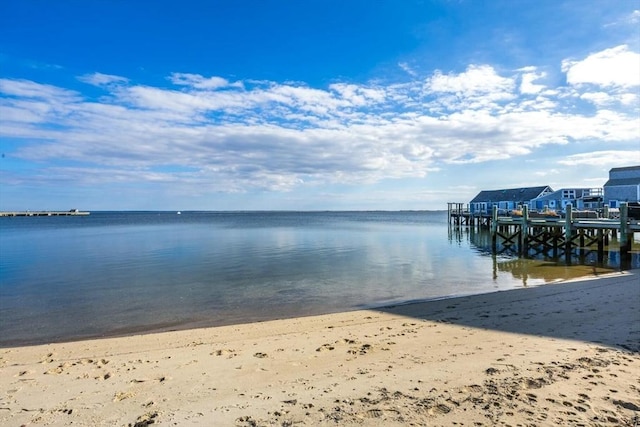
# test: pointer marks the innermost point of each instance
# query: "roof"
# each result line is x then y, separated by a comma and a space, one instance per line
622, 181
511, 194
626, 168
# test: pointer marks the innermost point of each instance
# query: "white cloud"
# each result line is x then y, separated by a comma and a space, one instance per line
199, 82
478, 79
598, 98
527, 85
99, 79
629, 99
617, 66
29, 89
407, 69
632, 18
358, 95
11, 114
548, 172
614, 158
234, 136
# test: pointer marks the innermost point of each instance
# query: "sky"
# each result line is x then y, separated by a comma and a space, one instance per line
311, 105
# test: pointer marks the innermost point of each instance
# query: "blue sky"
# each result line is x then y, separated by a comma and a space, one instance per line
311, 105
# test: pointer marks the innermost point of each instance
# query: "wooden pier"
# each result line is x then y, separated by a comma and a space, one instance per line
73, 212
558, 237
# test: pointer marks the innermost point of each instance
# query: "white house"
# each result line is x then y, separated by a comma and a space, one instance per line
579, 198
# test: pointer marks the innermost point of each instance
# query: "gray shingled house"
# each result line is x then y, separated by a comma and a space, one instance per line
623, 186
578, 198
507, 199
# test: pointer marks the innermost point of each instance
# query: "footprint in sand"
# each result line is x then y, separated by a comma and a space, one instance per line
627, 405
365, 348
474, 388
362, 350
48, 358
55, 371
530, 383
100, 362
325, 347
224, 352
122, 395
146, 419
103, 377
372, 413
440, 409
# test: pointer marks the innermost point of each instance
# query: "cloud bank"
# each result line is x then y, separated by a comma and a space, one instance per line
234, 136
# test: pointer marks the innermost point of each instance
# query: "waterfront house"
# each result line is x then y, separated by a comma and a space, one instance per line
623, 186
506, 199
579, 198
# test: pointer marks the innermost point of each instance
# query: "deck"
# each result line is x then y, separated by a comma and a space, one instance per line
559, 236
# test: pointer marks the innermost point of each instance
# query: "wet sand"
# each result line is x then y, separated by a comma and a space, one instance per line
557, 354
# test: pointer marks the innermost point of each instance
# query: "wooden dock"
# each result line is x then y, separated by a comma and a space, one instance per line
555, 237
73, 212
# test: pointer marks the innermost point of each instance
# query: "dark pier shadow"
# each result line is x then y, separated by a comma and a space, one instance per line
604, 311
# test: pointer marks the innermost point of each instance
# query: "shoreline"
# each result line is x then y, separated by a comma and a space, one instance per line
561, 353
203, 324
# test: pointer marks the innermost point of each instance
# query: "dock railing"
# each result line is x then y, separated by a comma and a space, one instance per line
563, 235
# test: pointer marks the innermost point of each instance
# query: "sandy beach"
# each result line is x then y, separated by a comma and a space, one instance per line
559, 354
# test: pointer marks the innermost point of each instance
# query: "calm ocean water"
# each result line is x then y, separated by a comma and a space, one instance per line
113, 273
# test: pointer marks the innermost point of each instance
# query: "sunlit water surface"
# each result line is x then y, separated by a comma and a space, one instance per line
114, 273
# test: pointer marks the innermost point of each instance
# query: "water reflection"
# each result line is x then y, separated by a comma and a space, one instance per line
115, 272
546, 265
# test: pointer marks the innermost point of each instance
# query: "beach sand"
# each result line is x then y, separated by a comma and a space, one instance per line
558, 354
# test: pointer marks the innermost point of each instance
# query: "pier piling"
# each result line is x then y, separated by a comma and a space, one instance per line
529, 235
